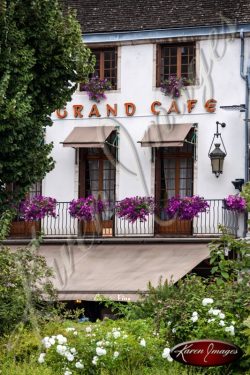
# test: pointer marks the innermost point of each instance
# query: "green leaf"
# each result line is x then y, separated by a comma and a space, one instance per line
225, 275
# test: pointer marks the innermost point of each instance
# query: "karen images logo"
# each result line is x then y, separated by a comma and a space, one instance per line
206, 353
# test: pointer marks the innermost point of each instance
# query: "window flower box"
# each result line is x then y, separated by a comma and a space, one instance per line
235, 203
186, 208
24, 229
31, 212
88, 211
135, 208
96, 87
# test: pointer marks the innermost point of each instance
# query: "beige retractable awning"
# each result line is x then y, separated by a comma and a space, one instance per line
92, 136
118, 271
165, 135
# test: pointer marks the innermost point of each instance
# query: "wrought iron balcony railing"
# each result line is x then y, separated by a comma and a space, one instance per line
109, 225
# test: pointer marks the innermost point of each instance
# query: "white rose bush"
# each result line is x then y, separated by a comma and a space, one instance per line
110, 345
207, 321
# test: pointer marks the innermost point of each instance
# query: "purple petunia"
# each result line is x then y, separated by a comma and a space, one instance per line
95, 88
135, 208
185, 208
235, 203
173, 86
86, 208
38, 207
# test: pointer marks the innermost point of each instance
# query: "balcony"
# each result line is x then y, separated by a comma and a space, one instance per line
206, 225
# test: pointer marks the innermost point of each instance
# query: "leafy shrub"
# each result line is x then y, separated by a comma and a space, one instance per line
24, 287
246, 194
20, 352
5, 222
112, 346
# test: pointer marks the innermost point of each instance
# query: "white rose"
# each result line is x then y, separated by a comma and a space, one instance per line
70, 357
216, 312
100, 351
116, 334
116, 354
88, 329
52, 341
41, 357
222, 323
230, 329
61, 349
143, 342
61, 339
195, 313
79, 365
95, 360
221, 315
211, 320
166, 353
194, 318
207, 301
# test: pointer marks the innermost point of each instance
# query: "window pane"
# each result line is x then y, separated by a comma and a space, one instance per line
177, 60
106, 66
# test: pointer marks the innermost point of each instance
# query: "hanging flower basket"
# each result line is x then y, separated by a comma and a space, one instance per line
135, 208
86, 208
235, 203
96, 87
37, 208
185, 208
173, 86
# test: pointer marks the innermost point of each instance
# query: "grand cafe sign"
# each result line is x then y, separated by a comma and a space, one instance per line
130, 109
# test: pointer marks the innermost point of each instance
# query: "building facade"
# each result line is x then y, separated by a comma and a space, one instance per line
137, 63
140, 142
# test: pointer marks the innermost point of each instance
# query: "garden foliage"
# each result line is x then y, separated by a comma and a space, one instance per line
42, 58
26, 291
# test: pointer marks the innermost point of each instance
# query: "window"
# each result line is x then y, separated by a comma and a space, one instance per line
35, 189
106, 65
177, 60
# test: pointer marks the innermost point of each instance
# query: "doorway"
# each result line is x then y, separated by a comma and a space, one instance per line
173, 177
97, 175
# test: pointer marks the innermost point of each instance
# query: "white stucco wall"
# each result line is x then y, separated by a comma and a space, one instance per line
218, 78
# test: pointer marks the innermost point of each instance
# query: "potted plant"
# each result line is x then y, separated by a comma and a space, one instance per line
31, 212
235, 203
135, 208
88, 211
181, 212
186, 208
173, 86
96, 87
